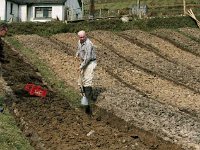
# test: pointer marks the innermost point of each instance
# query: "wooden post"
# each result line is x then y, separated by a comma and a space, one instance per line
92, 8
138, 9
82, 9
72, 14
138, 3
100, 12
184, 8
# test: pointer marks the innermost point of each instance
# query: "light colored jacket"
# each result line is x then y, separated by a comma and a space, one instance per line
86, 52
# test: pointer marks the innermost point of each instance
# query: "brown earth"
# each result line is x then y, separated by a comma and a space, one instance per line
192, 32
53, 124
144, 64
149, 92
181, 40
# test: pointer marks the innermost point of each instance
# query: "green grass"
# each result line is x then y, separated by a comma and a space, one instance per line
155, 7
113, 6
62, 88
11, 138
118, 4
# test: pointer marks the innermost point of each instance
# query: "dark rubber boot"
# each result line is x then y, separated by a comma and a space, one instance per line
88, 94
88, 110
1, 109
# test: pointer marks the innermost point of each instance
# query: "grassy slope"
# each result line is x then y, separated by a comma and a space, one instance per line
11, 138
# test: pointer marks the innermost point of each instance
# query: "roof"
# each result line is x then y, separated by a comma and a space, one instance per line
39, 1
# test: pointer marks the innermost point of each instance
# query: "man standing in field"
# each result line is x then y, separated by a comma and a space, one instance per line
86, 53
3, 31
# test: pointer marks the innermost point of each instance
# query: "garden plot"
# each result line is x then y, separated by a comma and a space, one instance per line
51, 123
150, 62
66, 128
192, 32
135, 79
157, 88
164, 48
63, 37
127, 91
179, 40
63, 64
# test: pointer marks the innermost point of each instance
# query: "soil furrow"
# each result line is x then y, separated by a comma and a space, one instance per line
192, 32
63, 47
164, 49
150, 62
144, 45
126, 103
159, 89
178, 39
52, 124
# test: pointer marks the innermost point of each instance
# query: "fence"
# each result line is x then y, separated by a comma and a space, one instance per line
145, 11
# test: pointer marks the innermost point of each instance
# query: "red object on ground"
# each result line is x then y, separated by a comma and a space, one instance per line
35, 90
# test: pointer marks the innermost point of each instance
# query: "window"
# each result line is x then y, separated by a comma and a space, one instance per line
43, 12
11, 8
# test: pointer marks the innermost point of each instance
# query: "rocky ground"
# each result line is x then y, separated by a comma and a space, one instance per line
150, 85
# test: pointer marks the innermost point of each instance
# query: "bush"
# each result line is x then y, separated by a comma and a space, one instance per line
40, 28
54, 27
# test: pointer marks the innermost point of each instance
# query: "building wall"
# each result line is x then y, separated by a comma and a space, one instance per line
57, 11
27, 13
23, 13
2, 9
12, 15
74, 10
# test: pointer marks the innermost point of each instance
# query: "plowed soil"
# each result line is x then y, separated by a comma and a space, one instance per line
51, 123
148, 91
180, 40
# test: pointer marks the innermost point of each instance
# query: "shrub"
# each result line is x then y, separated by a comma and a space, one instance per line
54, 27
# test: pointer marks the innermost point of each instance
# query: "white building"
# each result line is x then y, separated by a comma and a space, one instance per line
32, 10
74, 11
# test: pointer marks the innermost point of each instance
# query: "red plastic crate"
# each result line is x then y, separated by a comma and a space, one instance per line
35, 90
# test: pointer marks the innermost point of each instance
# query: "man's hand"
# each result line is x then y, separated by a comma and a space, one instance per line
82, 71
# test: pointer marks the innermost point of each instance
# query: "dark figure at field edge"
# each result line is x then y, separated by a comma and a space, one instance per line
3, 31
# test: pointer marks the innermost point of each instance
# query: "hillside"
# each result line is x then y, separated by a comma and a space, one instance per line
155, 7
119, 4
147, 85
